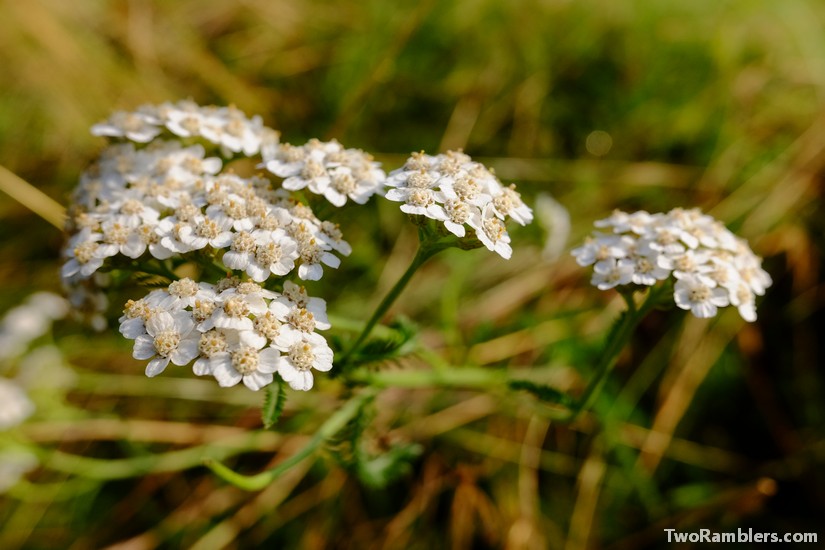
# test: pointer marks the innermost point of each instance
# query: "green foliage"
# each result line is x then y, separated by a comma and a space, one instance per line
379, 470
274, 403
385, 464
541, 391
396, 340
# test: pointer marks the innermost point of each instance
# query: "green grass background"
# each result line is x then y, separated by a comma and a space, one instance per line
715, 424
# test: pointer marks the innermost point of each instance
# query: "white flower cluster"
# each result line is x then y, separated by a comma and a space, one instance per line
19, 328
326, 168
713, 267
226, 127
28, 321
236, 331
162, 195
15, 405
457, 191
171, 200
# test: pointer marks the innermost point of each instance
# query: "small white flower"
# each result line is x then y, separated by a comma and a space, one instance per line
602, 247
169, 337
509, 203
611, 273
133, 320
120, 236
692, 294
493, 234
313, 253
182, 294
648, 269
621, 222
84, 255
211, 343
295, 297
250, 364
241, 252
275, 252
302, 353
207, 231
330, 234
743, 298
140, 126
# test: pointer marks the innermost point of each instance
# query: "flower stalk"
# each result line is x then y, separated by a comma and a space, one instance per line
616, 342
332, 426
429, 244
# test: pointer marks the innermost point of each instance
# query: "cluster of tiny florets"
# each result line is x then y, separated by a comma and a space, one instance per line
713, 267
235, 331
460, 193
328, 169
161, 192
226, 127
167, 200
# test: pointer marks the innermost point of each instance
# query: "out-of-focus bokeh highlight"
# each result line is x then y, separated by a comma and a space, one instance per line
590, 105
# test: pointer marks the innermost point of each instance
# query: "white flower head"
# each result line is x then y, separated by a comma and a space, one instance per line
326, 168
453, 189
140, 126
226, 127
712, 267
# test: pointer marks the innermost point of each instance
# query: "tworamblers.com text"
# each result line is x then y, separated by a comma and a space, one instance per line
740, 535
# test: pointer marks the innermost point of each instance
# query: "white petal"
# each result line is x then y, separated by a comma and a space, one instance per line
258, 273
257, 380
310, 272
185, 352
202, 367
223, 372
703, 310
235, 260
132, 328
268, 360
331, 259
303, 382
287, 371
144, 347
156, 366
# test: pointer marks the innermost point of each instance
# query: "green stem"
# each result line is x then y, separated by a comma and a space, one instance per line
426, 250
617, 340
332, 426
463, 377
173, 461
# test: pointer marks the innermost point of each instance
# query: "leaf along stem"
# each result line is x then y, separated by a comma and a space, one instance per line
328, 429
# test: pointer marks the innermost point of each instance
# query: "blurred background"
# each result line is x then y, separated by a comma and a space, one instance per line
634, 105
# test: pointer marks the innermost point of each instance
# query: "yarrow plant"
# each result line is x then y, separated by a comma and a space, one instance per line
684, 254
225, 253
161, 200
